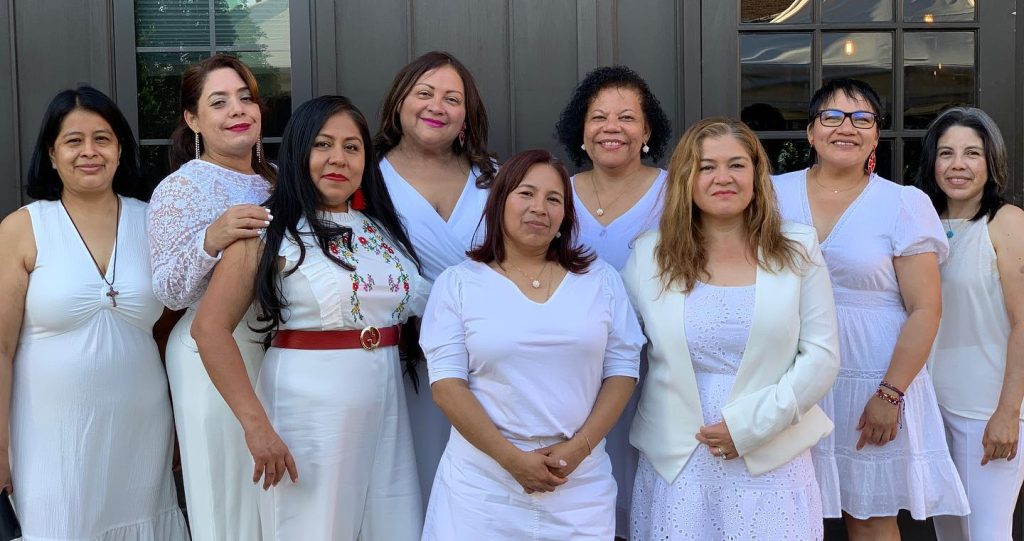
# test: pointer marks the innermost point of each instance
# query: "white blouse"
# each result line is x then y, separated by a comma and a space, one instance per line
182, 207
536, 368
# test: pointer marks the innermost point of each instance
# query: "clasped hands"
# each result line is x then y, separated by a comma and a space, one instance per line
547, 468
719, 440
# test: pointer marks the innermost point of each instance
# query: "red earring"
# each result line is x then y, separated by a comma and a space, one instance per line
871, 163
357, 202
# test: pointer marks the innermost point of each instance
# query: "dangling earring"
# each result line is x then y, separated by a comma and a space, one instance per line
871, 163
259, 150
558, 234
646, 149
197, 145
357, 201
462, 137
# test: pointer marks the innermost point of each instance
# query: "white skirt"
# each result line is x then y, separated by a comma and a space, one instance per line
475, 498
342, 415
215, 462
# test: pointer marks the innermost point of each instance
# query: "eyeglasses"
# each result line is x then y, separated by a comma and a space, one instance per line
833, 118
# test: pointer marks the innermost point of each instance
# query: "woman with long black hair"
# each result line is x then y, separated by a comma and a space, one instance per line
333, 278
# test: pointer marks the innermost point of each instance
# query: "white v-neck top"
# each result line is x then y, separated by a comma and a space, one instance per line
439, 244
614, 242
536, 368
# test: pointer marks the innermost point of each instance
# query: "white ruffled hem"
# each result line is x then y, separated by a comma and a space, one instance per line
167, 526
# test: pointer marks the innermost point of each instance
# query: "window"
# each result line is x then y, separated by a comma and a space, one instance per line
171, 34
919, 55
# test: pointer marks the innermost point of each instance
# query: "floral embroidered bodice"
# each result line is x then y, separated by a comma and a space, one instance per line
384, 288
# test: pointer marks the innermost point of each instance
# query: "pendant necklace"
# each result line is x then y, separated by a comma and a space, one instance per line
833, 190
950, 231
111, 292
534, 281
600, 207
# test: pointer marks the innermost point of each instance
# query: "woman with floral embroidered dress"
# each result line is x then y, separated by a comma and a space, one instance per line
207, 203
333, 278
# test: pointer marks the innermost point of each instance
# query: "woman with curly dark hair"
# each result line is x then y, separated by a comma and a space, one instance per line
614, 122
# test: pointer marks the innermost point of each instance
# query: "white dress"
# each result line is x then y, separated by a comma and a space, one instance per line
970, 353
439, 244
342, 412
714, 499
216, 464
914, 471
91, 427
536, 369
613, 243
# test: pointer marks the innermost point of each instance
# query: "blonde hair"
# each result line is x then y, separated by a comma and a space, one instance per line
680, 253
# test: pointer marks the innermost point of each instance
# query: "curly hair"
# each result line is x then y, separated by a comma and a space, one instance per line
569, 129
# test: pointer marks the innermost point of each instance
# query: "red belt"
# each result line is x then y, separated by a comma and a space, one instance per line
369, 338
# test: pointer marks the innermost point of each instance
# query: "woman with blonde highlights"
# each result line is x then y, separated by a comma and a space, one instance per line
758, 349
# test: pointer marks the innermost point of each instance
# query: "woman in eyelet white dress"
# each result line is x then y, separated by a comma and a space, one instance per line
977, 363
195, 213
738, 310
434, 159
883, 243
333, 279
617, 200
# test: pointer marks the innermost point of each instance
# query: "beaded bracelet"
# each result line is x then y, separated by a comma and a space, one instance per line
891, 387
895, 401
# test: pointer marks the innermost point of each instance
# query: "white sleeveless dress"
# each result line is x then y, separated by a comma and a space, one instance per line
216, 464
91, 428
342, 413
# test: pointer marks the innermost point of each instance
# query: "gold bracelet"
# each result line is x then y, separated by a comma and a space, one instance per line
590, 448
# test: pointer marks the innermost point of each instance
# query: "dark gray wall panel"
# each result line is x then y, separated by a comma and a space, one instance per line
475, 31
10, 174
370, 55
58, 43
544, 70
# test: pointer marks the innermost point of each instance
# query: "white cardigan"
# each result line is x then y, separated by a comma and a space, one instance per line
790, 362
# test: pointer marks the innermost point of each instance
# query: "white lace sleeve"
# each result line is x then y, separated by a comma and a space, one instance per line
179, 213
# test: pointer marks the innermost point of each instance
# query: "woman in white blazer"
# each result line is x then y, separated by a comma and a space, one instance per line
739, 313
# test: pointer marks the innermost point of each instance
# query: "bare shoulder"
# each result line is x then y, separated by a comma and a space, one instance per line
1007, 228
17, 238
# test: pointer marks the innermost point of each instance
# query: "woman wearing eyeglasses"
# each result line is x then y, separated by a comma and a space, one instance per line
883, 243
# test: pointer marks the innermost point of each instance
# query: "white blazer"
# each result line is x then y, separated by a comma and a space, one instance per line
790, 362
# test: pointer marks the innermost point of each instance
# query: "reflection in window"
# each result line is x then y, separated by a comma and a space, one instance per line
938, 11
785, 155
848, 11
171, 34
938, 73
911, 159
775, 70
866, 56
775, 11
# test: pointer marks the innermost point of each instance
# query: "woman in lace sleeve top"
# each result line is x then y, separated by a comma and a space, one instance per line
195, 213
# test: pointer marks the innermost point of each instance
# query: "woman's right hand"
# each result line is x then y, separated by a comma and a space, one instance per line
237, 222
271, 456
533, 471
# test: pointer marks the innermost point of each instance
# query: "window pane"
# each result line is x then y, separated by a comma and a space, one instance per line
159, 91
775, 11
911, 159
172, 23
775, 70
856, 11
154, 163
938, 11
787, 155
263, 24
938, 73
866, 56
275, 81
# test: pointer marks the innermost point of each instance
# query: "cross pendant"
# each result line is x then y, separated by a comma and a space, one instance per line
113, 293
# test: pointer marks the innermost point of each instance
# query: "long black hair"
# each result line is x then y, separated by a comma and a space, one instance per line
995, 159
296, 198
43, 180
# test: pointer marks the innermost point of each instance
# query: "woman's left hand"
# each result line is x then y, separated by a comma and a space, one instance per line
1000, 438
572, 451
879, 423
718, 438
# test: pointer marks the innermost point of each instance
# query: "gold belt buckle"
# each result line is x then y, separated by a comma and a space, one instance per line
369, 338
